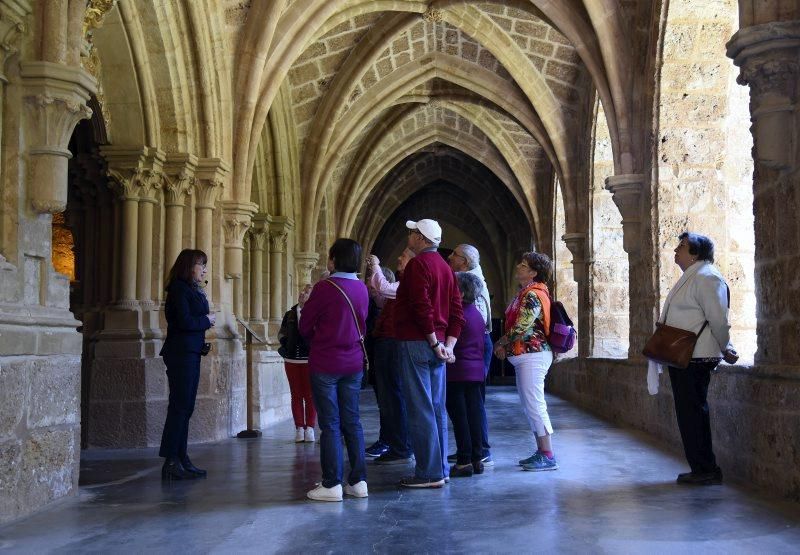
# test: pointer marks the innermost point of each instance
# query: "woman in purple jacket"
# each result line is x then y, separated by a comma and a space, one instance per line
332, 322
464, 378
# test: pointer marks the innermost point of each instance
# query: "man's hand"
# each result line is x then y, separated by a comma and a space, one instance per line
441, 351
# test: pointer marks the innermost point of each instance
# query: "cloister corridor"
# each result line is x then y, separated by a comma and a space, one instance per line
260, 131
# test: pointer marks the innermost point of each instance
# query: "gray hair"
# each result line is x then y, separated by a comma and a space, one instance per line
470, 286
388, 274
471, 254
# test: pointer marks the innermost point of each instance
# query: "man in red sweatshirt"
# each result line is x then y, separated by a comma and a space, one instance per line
428, 319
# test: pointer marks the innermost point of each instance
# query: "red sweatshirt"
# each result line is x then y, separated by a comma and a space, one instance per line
428, 300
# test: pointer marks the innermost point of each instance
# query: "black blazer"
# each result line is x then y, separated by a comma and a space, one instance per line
186, 310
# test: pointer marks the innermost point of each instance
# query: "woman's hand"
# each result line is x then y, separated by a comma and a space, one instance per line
373, 260
730, 356
212, 318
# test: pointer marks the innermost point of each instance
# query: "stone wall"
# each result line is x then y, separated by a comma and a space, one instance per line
705, 168
273, 400
609, 270
755, 414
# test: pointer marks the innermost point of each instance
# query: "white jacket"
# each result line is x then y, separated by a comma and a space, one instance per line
701, 294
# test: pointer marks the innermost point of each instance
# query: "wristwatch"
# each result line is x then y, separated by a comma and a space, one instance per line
436, 344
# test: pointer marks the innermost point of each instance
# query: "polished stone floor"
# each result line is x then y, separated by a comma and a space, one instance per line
614, 493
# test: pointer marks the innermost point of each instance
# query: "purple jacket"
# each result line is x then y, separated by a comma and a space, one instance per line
468, 366
326, 324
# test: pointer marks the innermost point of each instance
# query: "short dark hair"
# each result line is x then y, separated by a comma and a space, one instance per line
346, 255
541, 264
184, 264
470, 286
699, 245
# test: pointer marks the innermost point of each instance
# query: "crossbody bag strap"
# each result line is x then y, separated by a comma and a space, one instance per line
353, 311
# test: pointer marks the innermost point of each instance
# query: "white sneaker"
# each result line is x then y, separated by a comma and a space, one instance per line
299, 435
357, 490
321, 493
309, 435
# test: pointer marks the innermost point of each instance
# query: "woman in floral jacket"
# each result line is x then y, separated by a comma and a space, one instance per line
525, 344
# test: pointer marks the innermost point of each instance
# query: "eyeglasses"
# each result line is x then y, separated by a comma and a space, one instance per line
454, 253
200, 264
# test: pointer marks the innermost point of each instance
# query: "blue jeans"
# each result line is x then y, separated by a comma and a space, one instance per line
391, 404
487, 360
336, 399
424, 386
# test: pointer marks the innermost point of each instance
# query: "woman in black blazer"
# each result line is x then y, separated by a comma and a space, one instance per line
188, 318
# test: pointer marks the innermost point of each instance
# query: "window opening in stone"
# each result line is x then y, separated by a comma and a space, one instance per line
705, 164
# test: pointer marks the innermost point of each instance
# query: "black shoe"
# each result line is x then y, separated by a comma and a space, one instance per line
188, 466
458, 471
173, 470
700, 478
477, 467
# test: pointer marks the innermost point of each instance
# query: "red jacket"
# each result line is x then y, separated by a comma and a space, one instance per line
428, 300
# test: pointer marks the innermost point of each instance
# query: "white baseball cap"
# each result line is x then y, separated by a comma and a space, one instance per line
429, 228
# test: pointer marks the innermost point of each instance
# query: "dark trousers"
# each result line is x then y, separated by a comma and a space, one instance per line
336, 399
487, 360
391, 404
690, 389
465, 406
183, 374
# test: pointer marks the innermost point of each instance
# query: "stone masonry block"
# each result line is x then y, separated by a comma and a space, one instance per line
118, 379
14, 395
55, 392
10, 465
48, 467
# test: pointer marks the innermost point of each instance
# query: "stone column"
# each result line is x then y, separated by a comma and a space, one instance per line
577, 243
277, 247
304, 263
208, 188
135, 174
179, 182
769, 58
237, 218
628, 195
258, 237
55, 101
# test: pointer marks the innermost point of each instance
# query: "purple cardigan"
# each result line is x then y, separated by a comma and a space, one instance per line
326, 324
468, 366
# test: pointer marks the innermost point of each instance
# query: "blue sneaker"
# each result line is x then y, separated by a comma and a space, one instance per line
487, 460
529, 460
540, 462
376, 449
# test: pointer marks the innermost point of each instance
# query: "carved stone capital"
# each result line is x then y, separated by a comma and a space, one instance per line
258, 238
627, 195
236, 220
13, 14
305, 262
210, 181
279, 227
54, 102
577, 243
768, 56
179, 180
135, 173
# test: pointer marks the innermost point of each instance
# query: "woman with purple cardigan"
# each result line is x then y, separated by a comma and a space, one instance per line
464, 378
333, 330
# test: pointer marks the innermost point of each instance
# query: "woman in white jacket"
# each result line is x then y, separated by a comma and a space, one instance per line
700, 295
